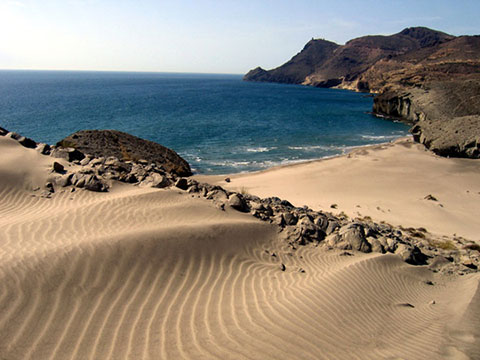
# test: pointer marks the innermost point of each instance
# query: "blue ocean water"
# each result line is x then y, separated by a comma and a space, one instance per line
218, 123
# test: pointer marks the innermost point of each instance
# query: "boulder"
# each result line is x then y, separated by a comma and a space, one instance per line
410, 254
70, 154
237, 202
137, 170
49, 187
290, 218
310, 231
129, 178
24, 141
14, 135
182, 184
332, 225
333, 240
279, 220
322, 222
3, 131
58, 168
93, 183
64, 180
257, 206
78, 180
97, 161
86, 160
157, 181
44, 149
217, 195
376, 245
354, 235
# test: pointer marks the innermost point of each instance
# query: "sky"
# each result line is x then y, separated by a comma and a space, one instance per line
202, 36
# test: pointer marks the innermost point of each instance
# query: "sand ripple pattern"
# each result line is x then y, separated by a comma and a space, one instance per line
147, 274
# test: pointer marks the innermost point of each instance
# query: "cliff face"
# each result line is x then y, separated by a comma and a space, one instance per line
422, 76
445, 115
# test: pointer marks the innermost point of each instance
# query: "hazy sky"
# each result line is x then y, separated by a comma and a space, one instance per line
202, 36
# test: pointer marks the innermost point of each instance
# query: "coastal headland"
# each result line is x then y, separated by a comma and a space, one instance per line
425, 77
117, 257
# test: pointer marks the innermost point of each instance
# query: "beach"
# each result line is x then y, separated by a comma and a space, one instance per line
145, 273
389, 182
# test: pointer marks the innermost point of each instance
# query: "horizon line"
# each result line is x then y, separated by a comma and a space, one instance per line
127, 71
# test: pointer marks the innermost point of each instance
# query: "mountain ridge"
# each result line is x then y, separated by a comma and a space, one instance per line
423, 76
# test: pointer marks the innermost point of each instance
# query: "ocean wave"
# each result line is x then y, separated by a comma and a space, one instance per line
261, 149
316, 147
379, 137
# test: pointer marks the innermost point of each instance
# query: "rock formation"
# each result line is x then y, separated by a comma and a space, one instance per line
426, 77
126, 147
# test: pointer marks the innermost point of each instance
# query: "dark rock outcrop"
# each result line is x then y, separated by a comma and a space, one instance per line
126, 147
445, 115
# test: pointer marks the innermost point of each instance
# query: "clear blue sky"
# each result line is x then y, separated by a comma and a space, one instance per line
223, 36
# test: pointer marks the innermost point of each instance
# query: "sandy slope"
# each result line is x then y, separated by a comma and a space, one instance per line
156, 274
387, 182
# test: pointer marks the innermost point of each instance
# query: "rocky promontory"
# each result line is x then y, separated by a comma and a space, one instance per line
126, 147
425, 77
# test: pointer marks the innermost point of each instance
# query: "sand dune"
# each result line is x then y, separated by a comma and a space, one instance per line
141, 273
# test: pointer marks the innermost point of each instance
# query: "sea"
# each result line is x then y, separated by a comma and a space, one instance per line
218, 123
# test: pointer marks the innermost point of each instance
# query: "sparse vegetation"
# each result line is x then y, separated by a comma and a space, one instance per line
243, 191
442, 244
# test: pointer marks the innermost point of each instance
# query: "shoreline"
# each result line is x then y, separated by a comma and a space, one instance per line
290, 163
388, 182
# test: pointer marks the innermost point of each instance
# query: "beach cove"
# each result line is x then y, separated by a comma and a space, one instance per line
186, 271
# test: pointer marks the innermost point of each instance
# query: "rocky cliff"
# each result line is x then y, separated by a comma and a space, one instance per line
445, 115
426, 77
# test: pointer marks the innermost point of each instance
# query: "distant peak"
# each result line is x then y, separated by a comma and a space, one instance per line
421, 31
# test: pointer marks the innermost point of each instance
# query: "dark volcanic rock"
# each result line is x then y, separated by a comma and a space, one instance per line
112, 143
27, 142
70, 154
57, 167
182, 184
3, 132
44, 149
